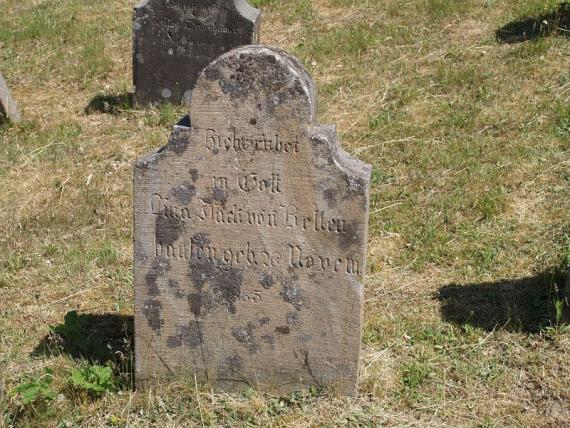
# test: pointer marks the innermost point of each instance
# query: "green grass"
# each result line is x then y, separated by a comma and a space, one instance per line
469, 139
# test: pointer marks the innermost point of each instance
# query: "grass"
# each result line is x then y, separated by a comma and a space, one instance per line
469, 139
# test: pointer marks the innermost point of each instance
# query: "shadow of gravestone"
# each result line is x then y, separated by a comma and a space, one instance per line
104, 339
525, 305
110, 104
553, 23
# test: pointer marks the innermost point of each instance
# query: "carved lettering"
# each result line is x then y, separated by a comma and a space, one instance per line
220, 183
286, 216
235, 215
254, 297
251, 182
216, 143
301, 259
248, 255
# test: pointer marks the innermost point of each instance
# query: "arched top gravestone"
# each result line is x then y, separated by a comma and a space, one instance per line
175, 39
250, 237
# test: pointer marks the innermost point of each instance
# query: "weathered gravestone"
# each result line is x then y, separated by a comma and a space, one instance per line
250, 237
175, 39
7, 105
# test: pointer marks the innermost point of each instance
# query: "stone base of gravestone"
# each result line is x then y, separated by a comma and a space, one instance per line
174, 40
8, 107
250, 237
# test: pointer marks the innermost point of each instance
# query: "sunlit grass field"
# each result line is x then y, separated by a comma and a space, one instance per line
463, 109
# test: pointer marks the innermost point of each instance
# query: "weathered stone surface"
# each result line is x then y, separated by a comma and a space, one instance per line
250, 237
7, 105
175, 39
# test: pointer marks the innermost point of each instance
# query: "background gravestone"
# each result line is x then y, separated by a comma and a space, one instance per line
175, 39
7, 105
250, 237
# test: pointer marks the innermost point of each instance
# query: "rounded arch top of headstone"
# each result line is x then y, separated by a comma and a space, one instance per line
261, 81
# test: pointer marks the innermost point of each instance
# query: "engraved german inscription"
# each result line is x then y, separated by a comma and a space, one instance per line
282, 216
217, 143
250, 231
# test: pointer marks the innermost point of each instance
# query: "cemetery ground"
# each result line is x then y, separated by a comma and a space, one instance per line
468, 132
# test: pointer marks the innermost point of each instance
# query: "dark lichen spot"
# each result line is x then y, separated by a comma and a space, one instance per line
179, 143
270, 340
228, 283
322, 154
183, 193
213, 73
266, 280
202, 272
253, 121
292, 318
218, 196
201, 303
146, 165
194, 174
168, 229
264, 321
356, 185
201, 239
250, 73
174, 287
246, 337
195, 302
187, 335
225, 281
350, 235
157, 270
152, 286
152, 311
291, 293
174, 342
230, 368
234, 362
298, 88
330, 196
283, 330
